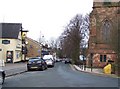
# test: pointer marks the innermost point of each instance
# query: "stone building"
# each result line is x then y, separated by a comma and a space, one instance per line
103, 23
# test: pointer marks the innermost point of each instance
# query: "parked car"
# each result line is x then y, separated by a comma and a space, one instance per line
2, 76
36, 63
67, 60
49, 60
48, 57
58, 60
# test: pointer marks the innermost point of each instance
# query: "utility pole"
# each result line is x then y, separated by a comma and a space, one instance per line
41, 42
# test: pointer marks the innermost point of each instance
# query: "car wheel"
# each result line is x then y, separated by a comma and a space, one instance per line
1, 79
46, 67
42, 68
28, 69
53, 65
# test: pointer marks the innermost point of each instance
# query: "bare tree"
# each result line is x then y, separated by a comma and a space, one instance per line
52, 43
74, 37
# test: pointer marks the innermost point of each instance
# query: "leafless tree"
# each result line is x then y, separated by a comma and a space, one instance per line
75, 37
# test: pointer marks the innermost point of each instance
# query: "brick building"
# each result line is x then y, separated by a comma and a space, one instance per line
34, 48
103, 22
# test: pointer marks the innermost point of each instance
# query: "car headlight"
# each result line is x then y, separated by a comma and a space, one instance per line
29, 62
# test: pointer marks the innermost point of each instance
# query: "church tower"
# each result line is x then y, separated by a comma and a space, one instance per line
103, 22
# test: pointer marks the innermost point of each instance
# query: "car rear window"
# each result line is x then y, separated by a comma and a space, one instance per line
48, 59
34, 59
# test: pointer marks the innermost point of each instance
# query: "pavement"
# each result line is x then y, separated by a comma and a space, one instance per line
95, 71
14, 68
21, 67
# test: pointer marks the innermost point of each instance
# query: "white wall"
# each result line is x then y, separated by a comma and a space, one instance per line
15, 46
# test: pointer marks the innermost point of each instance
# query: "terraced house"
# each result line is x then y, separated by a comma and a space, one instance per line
104, 21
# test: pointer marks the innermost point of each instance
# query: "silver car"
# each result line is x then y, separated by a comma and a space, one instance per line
49, 60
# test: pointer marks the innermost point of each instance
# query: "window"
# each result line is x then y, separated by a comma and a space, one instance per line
17, 55
103, 58
5, 41
106, 30
100, 58
107, 2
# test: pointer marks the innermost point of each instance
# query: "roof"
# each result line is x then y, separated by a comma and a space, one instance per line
34, 41
10, 30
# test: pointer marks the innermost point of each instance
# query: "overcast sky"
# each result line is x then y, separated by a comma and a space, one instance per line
48, 17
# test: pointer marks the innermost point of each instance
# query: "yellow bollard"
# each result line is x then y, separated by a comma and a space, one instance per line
108, 69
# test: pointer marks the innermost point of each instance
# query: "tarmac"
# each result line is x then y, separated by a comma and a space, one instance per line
21, 67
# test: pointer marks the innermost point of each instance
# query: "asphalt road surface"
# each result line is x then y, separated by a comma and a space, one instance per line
62, 75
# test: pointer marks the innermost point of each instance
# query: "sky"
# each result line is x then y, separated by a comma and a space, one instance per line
43, 18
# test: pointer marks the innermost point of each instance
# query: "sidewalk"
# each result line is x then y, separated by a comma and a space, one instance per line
14, 68
96, 71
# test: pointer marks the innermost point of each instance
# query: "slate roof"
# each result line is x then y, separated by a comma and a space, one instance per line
10, 30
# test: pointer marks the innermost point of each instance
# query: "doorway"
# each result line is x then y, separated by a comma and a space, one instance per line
9, 57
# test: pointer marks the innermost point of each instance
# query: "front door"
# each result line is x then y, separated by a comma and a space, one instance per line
9, 57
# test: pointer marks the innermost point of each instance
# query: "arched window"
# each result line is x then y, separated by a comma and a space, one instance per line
106, 31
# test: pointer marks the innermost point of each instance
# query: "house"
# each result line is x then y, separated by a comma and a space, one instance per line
45, 50
33, 48
103, 22
10, 42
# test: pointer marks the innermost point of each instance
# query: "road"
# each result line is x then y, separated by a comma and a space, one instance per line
62, 75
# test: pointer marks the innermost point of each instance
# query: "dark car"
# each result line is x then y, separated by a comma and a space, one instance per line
36, 64
67, 60
2, 76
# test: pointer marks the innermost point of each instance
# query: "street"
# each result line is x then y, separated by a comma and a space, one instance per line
62, 75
